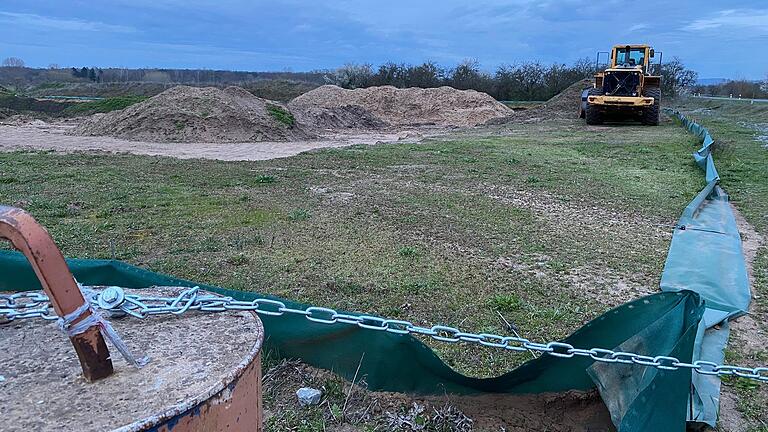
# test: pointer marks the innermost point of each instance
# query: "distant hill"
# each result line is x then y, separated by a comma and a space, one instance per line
23, 77
111, 82
711, 81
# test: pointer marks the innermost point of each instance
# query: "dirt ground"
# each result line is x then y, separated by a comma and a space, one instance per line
55, 136
746, 335
387, 105
347, 407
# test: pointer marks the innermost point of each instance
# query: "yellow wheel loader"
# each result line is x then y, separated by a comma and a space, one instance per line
626, 89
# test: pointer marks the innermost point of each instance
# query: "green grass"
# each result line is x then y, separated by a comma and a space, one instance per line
741, 161
265, 179
281, 114
103, 106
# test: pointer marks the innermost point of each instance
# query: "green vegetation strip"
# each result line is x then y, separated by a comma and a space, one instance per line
103, 106
281, 114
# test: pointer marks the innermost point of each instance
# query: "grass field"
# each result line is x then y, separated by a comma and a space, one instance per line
547, 224
550, 225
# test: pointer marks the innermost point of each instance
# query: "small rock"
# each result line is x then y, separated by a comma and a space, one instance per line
308, 396
22, 204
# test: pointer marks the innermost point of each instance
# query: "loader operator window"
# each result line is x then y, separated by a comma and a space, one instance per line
630, 56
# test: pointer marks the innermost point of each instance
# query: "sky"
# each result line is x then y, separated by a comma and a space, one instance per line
718, 39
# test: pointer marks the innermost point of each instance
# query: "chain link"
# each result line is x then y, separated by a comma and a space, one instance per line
113, 300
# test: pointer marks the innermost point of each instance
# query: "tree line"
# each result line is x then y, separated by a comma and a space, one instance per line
201, 76
737, 89
91, 74
523, 81
520, 81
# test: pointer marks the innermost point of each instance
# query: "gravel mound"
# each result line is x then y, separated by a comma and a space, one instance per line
564, 105
339, 117
333, 107
192, 114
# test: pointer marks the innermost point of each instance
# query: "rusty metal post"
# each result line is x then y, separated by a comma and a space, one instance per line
36, 244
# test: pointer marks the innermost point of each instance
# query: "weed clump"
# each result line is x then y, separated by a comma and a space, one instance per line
265, 179
281, 114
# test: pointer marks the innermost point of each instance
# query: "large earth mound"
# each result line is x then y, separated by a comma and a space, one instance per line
192, 114
334, 107
566, 103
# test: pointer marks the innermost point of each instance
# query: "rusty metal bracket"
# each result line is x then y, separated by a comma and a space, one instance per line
33, 240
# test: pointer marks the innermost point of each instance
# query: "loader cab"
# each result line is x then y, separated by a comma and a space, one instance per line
631, 57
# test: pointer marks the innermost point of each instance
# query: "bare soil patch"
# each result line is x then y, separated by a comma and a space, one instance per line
30, 134
747, 337
567, 101
346, 407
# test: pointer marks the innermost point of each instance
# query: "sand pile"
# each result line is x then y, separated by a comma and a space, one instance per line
333, 107
192, 114
566, 103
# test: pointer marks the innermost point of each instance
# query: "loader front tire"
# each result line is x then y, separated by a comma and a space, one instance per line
593, 115
651, 113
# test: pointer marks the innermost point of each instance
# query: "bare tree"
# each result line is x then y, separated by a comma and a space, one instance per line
675, 77
53, 66
157, 76
466, 74
584, 67
351, 76
13, 62
428, 74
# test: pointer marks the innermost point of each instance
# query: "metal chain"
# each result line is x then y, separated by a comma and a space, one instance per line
114, 300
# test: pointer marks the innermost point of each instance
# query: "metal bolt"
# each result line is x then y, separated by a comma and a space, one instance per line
111, 297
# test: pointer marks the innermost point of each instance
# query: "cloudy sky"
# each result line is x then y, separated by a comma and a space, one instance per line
716, 38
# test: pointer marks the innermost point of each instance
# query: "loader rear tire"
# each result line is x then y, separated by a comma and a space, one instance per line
651, 113
593, 115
